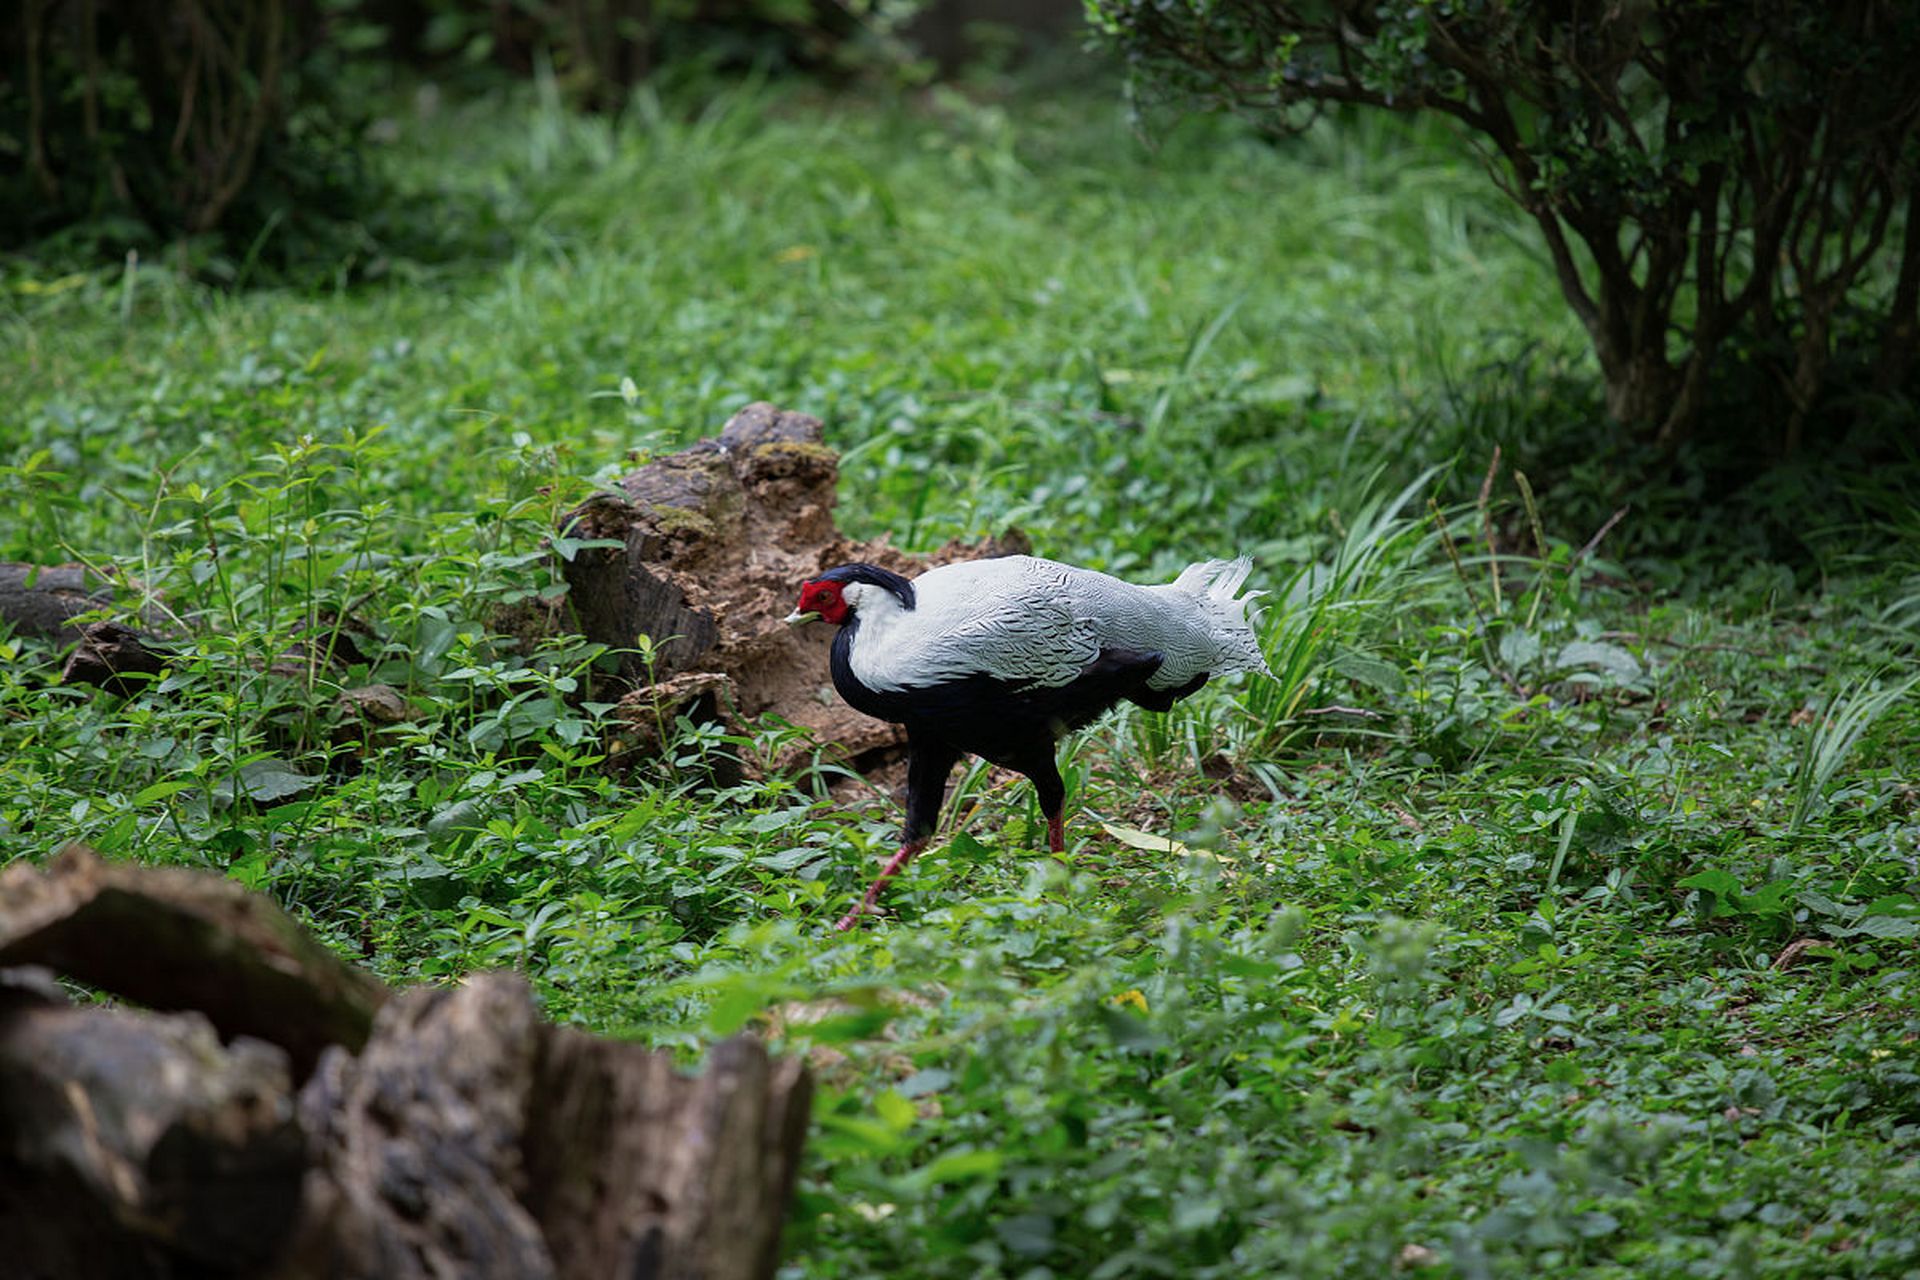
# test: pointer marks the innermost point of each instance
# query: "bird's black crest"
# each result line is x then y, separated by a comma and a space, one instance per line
876, 576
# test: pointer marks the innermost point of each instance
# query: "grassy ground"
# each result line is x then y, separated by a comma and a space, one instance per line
1582, 942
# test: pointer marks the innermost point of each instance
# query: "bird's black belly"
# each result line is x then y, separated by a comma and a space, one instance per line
998, 720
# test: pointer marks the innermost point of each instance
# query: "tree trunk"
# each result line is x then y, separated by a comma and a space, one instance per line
170, 938
1642, 388
135, 1144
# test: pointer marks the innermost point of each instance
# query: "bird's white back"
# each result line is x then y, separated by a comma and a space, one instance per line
1034, 621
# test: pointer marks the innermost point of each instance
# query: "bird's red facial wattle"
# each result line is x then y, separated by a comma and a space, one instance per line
822, 599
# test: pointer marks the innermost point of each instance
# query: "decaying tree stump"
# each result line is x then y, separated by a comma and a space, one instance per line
452, 1132
131, 1138
715, 541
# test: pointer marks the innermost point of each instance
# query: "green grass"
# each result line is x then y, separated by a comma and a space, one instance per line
1536, 921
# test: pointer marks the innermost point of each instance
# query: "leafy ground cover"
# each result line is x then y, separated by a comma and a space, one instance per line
1552, 913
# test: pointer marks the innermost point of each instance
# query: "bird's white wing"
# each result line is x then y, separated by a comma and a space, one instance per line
1033, 621
1013, 618
1034, 631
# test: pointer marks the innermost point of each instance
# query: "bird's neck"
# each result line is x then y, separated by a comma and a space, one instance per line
881, 653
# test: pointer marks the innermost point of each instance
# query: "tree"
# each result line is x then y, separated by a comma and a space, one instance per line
1705, 173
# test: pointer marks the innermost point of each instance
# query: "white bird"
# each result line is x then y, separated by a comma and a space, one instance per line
1001, 658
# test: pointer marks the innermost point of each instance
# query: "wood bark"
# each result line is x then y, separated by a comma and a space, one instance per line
115, 658
170, 938
42, 600
714, 542
450, 1133
138, 1145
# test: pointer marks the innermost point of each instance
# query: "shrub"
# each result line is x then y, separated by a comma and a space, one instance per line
1704, 175
189, 119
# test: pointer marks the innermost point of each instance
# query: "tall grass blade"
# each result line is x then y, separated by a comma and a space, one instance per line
1847, 717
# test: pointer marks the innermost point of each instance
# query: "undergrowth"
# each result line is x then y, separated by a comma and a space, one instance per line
1552, 912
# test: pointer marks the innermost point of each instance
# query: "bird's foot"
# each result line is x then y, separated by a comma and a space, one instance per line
894, 864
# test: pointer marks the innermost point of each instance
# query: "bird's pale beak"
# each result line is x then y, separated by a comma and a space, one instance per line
795, 618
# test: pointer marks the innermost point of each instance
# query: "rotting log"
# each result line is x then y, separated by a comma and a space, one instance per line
452, 1132
704, 1164
468, 1129
714, 542
115, 658
170, 938
42, 600
137, 1144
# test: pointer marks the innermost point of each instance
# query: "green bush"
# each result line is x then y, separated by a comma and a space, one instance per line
1704, 175
233, 132
213, 125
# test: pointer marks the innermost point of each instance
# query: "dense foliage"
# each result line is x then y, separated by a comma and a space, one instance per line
234, 134
202, 123
1717, 185
1552, 914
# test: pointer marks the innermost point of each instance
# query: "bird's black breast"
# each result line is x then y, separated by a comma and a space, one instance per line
998, 720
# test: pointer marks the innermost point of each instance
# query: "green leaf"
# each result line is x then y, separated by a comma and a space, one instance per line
455, 819
160, 791
737, 1002
1609, 659
1518, 647
965, 847
567, 548
894, 1110
1135, 838
1713, 880
854, 1135
790, 859
959, 1166
268, 779
1028, 1234
1882, 927
1196, 1212
1364, 668
845, 1028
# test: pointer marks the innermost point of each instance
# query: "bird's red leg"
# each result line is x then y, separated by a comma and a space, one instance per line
1057, 832
894, 864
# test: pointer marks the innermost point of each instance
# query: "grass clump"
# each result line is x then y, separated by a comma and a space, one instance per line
1552, 913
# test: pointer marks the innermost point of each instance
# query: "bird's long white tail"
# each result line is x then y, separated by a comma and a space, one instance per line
1214, 587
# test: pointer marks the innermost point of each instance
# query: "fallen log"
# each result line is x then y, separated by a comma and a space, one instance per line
169, 938
712, 545
458, 1134
115, 658
42, 600
138, 1145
